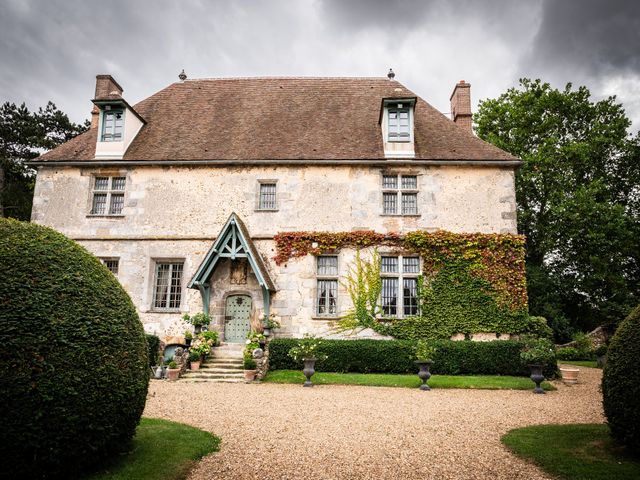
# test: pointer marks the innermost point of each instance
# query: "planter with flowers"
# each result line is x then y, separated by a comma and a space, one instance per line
269, 324
194, 360
173, 372
536, 353
308, 351
198, 320
424, 359
188, 337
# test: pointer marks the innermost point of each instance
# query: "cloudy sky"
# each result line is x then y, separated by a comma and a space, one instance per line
52, 49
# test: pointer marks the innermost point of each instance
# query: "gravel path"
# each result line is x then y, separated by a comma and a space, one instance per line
274, 431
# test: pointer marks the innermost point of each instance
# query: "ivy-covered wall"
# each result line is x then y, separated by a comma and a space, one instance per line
473, 283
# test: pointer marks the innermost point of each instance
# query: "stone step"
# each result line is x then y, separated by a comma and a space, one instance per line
218, 366
197, 374
212, 380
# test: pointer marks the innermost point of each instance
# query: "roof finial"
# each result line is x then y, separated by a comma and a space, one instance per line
182, 76
391, 75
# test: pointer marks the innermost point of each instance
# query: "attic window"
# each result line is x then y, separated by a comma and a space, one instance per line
112, 125
399, 123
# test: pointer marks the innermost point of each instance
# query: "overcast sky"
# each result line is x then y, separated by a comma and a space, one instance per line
52, 49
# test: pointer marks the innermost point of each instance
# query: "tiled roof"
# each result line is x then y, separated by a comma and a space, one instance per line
281, 119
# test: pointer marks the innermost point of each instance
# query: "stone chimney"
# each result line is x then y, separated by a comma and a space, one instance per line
106, 89
461, 105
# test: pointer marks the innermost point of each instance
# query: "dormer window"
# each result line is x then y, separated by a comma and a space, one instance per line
398, 123
112, 125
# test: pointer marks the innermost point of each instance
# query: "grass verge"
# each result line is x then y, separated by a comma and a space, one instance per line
161, 450
573, 451
580, 363
489, 382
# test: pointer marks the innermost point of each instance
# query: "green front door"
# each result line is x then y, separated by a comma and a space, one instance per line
237, 318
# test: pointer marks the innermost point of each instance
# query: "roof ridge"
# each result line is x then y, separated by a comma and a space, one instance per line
299, 77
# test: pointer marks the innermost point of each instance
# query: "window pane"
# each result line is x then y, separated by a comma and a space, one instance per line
117, 202
117, 183
176, 285
267, 196
389, 264
410, 296
99, 204
162, 285
390, 181
409, 182
411, 265
102, 183
327, 265
327, 297
390, 203
409, 204
111, 264
389, 297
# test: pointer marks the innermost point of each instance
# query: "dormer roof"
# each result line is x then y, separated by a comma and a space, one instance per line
293, 119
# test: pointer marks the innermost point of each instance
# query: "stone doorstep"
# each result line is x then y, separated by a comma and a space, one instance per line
220, 367
214, 375
212, 380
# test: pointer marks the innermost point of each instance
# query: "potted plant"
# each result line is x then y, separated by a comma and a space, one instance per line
198, 320
173, 372
424, 359
202, 344
536, 353
601, 355
270, 323
188, 336
194, 360
307, 351
249, 368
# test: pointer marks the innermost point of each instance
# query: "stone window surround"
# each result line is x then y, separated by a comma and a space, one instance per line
260, 182
110, 172
153, 269
399, 173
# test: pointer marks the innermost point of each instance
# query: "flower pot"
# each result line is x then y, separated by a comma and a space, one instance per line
249, 375
424, 373
309, 370
187, 342
173, 374
197, 329
266, 332
569, 375
537, 377
195, 365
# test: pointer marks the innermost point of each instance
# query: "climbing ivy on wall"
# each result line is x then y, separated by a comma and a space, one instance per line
472, 282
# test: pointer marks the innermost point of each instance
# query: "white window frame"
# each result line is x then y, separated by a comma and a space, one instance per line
108, 110
398, 109
326, 278
172, 262
109, 194
400, 193
400, 276
105, 261
259, 204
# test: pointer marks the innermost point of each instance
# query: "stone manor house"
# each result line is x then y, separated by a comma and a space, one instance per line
182, 194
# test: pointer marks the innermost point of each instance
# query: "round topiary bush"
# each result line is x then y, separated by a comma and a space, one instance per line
621, 382
74, 366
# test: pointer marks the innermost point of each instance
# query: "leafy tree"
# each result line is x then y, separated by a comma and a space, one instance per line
578, 199
23, 136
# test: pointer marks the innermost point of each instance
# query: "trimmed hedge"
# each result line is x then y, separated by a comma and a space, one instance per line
153, 342
499, 357
621, 383
74, 366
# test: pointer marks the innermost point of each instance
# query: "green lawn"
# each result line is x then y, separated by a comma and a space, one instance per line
573, 451
580, 363
161, 450
490, 382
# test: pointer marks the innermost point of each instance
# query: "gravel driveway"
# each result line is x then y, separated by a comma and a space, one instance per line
274, 431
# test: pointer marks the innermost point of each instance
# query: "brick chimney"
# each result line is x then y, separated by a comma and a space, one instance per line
461, 105
106, 89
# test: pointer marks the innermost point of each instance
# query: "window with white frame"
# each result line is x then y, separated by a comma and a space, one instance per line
108, 195
399, 194
267, 195
327, 286
112, 264
112, 125
167, 294
398, 123
399, 274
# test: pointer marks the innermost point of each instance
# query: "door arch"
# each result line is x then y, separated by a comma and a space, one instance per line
237, 318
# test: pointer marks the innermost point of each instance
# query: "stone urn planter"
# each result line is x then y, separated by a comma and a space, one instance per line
537, 377
569, 375
424, 373
308, 370
250, 375
173, 374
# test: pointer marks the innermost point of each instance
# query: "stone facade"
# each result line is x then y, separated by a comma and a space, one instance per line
175, 213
